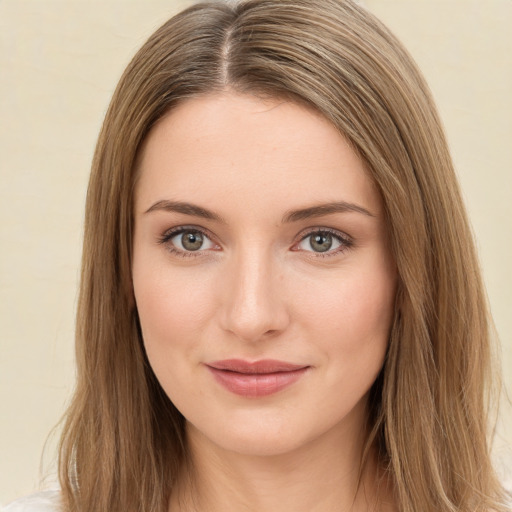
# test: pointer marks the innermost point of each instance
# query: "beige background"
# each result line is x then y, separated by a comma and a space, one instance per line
59, 63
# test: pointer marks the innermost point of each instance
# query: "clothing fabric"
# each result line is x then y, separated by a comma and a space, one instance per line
42, 501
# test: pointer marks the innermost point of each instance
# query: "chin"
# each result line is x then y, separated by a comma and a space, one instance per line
267, 434
257, 444
252, 435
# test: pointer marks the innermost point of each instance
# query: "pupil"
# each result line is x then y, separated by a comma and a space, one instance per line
192, 241
321, 242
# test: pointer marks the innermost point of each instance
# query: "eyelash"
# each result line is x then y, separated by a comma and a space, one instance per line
168, 235
345, 241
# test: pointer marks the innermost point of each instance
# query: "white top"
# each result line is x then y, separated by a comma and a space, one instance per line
42, 501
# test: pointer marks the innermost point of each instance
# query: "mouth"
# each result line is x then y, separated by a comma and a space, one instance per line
258, 378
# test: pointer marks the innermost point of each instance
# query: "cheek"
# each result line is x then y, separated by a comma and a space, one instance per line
350, 314
173, 307
351, 326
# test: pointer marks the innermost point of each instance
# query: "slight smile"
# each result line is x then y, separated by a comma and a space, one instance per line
258, 378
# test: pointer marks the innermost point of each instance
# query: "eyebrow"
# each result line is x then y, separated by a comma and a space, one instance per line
185, 208
324, 209
290, 216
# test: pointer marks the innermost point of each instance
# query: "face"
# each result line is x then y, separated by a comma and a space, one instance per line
261, 272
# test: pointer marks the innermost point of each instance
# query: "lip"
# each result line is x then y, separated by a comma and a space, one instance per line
257, 378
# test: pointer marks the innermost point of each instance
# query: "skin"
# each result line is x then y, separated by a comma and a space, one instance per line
258, 289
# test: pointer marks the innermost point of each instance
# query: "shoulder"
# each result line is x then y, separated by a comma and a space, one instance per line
43, 501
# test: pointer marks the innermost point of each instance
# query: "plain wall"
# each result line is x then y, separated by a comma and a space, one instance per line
59, 64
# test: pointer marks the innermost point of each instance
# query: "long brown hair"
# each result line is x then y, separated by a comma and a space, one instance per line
123, 442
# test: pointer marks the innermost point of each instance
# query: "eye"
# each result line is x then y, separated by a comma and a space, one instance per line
187, 240
324, 241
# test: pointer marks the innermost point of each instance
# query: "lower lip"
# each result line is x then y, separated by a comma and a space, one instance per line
256, 384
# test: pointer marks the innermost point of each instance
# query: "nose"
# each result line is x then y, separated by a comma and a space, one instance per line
254, 306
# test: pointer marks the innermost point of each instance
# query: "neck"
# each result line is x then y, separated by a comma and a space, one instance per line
326, 475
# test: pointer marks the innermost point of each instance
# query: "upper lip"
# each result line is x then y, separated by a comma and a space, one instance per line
255, 367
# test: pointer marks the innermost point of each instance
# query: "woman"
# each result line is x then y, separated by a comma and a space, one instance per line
281, 306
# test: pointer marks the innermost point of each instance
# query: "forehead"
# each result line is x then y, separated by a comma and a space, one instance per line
235, 147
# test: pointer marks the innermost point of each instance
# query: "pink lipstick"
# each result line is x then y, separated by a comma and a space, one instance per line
255, 379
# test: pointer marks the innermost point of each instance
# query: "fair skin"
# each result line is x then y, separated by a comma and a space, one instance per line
233, 259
